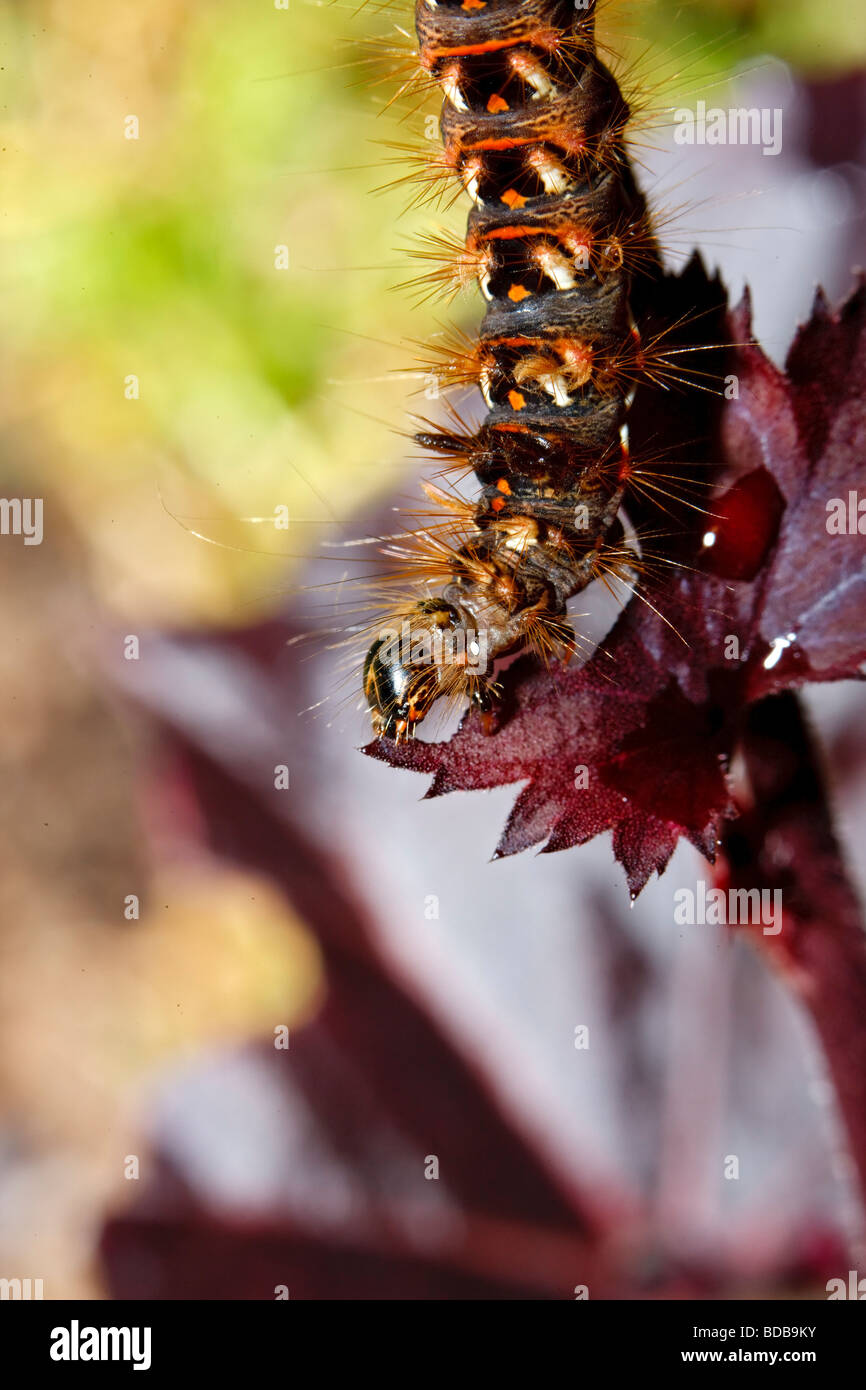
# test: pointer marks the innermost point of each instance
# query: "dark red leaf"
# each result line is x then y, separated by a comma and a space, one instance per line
809, 430
637, 741
784, 843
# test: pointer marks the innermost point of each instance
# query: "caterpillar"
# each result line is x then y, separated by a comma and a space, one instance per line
533, 129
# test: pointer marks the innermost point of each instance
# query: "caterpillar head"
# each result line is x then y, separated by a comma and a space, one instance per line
399, 695
408, 667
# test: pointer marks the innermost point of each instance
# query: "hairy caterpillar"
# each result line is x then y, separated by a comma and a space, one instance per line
532, 125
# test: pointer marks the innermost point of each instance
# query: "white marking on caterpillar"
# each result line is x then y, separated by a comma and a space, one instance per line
556, 267
451, 88
629, 400
554, 385
521, 535
578, 249
485, 270
552, 174
471, 173
532, 71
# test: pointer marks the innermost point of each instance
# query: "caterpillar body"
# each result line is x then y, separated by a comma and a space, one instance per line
533, 128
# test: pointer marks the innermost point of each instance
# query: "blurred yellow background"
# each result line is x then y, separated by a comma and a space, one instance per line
257, 127
157, 258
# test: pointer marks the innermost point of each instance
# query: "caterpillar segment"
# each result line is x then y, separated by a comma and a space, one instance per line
533, 127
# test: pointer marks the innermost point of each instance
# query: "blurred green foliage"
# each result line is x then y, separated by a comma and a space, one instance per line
258, 127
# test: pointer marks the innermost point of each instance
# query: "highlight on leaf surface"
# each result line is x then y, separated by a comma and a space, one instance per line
639, 740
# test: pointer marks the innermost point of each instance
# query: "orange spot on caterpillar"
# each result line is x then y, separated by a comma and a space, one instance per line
507, 233
468, 49
544, 36
503, 427
509, 142
516, 341
562, 232
577, 114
